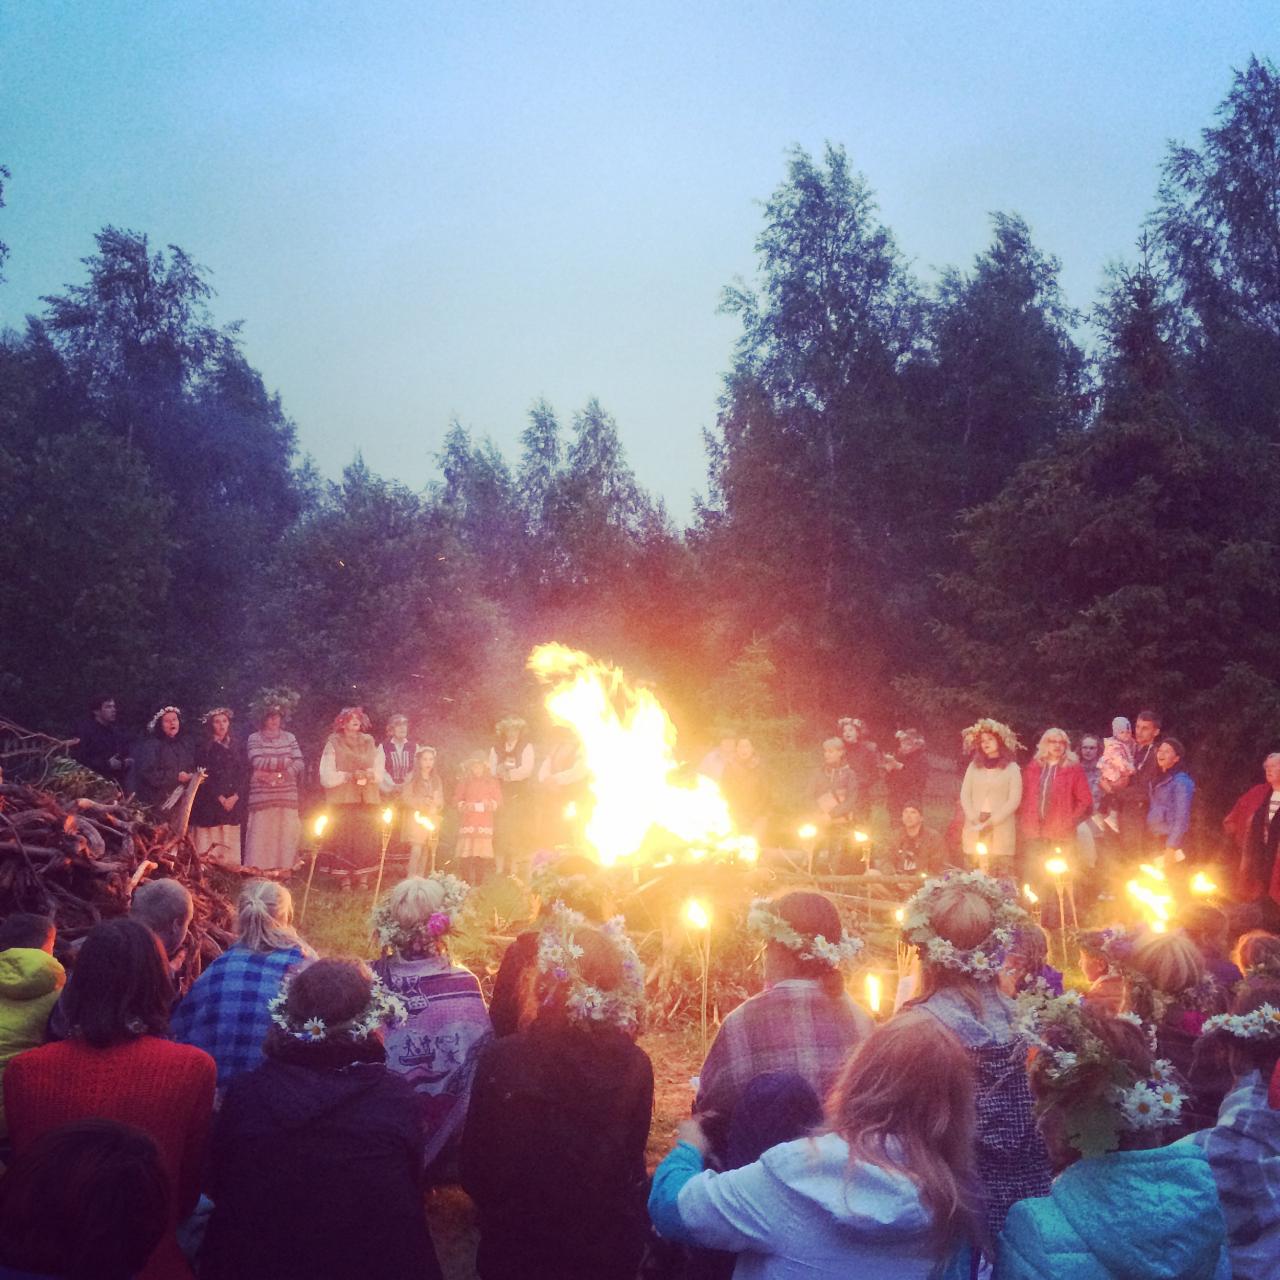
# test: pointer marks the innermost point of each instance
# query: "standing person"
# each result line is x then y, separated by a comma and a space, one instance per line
479, 798
553, 1148
316, 1164
886, 1188
511, 762
1055, 798
834, 789
118, 1066
1133, 797
961, 927
1169, 811
562, 788
1124, 1206
745, 786
803, 1022
1254, 826
1243, 1147
101, 744
217, 809
1090, 753
712, 765
862, 757
352, 782
275, 762
908, 770
398, 753
991, 793
438, 1046
163, 760
422, 797
227, 1011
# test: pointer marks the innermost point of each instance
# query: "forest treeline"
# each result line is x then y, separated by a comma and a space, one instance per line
924, 501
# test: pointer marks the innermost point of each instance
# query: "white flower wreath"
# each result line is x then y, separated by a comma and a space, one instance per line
982, 961
1262, 1023
427, 935
765, 922
558, 960
383, 1009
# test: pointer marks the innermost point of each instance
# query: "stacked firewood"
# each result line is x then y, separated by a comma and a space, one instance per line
79, 860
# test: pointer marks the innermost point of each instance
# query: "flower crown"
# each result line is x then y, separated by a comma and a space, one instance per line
1262, 1023
284, 701
584, 1003
207, 718
980, 961
1069, 1055
426, 936
765, 922
986, 725
160, 715
383, 1009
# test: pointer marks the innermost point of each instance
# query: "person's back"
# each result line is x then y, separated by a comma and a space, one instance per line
30, 982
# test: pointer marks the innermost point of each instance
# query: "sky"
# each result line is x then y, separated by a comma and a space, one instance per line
423, 211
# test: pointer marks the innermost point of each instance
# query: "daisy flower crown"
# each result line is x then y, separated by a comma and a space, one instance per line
160, 715
427, 936
1262, 1023
980, 961
383, 1009
1070, 1056
766, 923
559, 964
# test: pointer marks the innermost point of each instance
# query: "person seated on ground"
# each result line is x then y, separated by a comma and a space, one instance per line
1243, 1147
227, 1011
573, 880
1123, 1204
86, 1201
959, 926
553, 1148
1106, 989
1027, 962
914, 849
167, 909
1257, 954
1206, 926
438, 1046
117, 1065
802, 1022
886, 1188
316, 1162
30, 982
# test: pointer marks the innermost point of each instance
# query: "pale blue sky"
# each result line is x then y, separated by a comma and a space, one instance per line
422, 210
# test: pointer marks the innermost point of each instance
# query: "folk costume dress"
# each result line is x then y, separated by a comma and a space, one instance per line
353, 844
215, 830
275, 827
478, 800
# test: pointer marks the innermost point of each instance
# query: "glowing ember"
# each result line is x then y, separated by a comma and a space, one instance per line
808, 831
1156, 903
320, 823
696, 914
1057, 866
1201, 884
899, 915
873, 992
628, 743
860, 837
1153, 873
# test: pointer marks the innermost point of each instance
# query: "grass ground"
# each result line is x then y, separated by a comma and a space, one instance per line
336, 924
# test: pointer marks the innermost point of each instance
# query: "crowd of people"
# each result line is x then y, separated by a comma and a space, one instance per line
283, 1116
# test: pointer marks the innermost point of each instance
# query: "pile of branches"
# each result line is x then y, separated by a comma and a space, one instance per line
79, 859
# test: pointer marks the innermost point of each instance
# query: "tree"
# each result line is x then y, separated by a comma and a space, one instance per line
1219, 227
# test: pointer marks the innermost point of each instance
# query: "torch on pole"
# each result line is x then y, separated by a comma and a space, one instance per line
1057, 868
697, 916
317, 830
387, 815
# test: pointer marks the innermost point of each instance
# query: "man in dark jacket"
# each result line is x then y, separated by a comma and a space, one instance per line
101, 744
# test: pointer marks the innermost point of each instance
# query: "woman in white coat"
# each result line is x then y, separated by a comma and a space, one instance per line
990, 795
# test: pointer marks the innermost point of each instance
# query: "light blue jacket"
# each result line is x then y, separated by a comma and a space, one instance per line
800, 1212
1170, 813
1129, 1215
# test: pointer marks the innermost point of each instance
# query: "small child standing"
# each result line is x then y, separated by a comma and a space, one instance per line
1116, 768
479, 795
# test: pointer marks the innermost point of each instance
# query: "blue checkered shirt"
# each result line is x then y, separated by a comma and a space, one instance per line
225, 1012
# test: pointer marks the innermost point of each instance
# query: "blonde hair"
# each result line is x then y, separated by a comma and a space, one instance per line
414, 901
1259, 949
1068, 756
905, 1102
265, 913
964, 918
1165, 965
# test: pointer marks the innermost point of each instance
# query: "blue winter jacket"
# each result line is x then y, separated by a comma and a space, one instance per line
1129, 1215
1170, 813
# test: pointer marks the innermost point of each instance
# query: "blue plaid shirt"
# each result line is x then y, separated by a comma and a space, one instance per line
225, 1012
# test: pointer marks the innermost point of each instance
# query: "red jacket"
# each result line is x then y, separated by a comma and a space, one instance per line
1070, 802
164, 1089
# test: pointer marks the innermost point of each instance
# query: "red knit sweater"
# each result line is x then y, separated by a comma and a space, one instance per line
164, 1089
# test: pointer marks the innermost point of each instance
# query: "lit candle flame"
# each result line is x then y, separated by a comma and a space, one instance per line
860, 837
873, 992
1030, 894
899, 915
697, 915
1057, 866
387, 815
320, 823
981, 849
807, 832
1200, 883
423, 821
